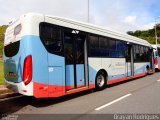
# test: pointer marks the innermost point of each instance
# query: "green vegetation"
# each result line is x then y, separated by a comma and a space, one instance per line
1, 72
2, 31
148, 35
1, 48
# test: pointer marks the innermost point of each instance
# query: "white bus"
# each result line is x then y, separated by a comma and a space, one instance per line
47, 56
156, 56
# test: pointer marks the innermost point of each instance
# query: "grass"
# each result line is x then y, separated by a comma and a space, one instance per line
1, 72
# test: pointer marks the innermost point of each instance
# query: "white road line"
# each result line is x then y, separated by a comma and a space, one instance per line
158, 80
114, 101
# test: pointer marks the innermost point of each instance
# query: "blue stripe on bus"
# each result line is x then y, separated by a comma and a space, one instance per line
80, 74
69, 75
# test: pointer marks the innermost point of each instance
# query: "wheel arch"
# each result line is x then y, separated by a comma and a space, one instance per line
147, 69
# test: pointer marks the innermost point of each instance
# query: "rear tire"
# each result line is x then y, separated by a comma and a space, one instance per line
100, 81
147, 70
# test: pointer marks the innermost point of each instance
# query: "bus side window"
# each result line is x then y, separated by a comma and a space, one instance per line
158, 52
51, 38
94, 46
147, 54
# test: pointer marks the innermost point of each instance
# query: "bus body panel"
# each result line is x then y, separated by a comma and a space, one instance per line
80, 75
56, 81
94, 67
69, 77
140, 67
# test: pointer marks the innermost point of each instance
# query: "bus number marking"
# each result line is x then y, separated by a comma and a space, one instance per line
50, 69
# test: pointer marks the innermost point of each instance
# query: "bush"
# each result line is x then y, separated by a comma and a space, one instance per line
1, 49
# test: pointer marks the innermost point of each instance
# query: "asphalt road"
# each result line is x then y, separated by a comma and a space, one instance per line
135, 96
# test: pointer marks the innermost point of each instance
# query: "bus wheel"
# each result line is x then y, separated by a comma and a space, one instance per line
100, 81
147, 70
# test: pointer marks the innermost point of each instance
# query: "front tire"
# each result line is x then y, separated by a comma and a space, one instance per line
147, 70
100, 81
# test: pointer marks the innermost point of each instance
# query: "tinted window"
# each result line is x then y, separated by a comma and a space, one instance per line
94, 46
68, 47
106, 47
112, 44
121, 46
141, 54
128, 54
12, 49
103, 42
51, 37
136, 53
17, 29
80, 49
94, 42
148, 54
158, 52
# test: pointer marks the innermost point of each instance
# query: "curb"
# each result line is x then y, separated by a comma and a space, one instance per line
4, 90
6, 93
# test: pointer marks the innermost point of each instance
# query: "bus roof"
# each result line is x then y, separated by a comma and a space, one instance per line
82, 26
87, 27
155, 46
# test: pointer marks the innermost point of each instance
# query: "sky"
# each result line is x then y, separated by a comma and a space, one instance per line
119, 15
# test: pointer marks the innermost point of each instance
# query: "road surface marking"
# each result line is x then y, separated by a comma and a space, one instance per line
112, 102
158, 80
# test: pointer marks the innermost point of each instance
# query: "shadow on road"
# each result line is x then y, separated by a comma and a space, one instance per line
16, 104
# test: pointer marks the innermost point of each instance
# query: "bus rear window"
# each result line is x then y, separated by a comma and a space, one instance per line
11, 49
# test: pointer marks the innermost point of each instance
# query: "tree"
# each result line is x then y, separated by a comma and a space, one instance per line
148, 35
2, 31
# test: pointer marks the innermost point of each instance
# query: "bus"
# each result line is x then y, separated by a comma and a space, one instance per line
156, 52
47, 56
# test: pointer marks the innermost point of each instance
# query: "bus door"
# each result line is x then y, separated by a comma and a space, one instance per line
75, 60
151, 57
129, 61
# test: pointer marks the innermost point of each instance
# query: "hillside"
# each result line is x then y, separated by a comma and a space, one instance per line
148, 35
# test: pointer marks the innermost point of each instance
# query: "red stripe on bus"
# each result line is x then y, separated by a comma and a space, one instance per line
45, 91
125, 78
